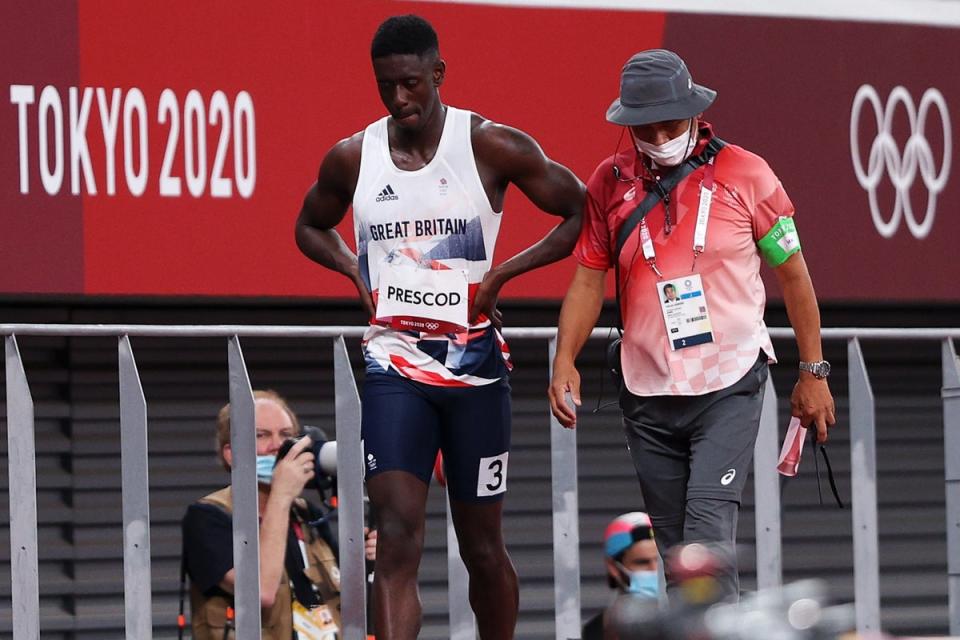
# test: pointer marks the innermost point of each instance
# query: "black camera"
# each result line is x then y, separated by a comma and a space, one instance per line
324, 457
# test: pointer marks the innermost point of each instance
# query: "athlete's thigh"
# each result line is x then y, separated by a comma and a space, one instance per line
721, 447
398, 500
475, 438
399, 427
478, 525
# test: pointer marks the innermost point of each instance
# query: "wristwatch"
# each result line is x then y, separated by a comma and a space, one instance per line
820, 370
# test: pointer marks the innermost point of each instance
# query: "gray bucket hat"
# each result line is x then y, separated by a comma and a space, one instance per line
656, 86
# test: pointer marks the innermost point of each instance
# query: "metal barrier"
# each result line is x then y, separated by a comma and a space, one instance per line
135, 490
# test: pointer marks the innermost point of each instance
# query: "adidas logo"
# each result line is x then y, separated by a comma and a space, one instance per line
387, 194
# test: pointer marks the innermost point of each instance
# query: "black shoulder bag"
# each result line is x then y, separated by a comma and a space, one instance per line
664, 187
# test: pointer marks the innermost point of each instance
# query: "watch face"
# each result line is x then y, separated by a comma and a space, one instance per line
820, 369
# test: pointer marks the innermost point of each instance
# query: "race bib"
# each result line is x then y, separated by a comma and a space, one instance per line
684, 307
492, 475
314, 624
413, 299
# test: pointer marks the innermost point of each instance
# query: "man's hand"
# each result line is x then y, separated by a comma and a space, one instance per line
812, 402
293, 471
566, 379
370, 544
485, 300
366, 299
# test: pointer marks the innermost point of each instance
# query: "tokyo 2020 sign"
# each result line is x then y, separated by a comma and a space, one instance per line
163, 149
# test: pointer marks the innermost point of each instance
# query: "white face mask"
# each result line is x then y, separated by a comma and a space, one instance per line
670, 153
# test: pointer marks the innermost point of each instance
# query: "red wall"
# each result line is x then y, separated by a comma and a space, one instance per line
785, 90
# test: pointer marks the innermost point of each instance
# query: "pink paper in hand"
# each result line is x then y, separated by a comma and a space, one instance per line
792, 448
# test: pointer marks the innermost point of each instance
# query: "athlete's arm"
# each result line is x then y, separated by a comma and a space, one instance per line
811, 400
578, 316
324, 206
515, 157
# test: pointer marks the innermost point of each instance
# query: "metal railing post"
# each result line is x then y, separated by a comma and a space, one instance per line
863, 476
136, 497
766, 483
350, 466
463, 623
22, 470
951, 449
566, 519
243, 477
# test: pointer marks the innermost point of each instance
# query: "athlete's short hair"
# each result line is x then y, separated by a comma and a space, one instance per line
409, 34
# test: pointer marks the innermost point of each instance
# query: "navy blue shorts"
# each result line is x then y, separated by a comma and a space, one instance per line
406, 422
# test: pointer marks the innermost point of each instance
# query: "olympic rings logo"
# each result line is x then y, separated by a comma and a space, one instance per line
885, 157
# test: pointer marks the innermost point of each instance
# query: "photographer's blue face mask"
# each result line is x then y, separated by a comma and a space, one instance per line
265, 466
645, 584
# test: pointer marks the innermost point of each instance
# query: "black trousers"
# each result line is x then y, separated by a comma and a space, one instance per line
692, 455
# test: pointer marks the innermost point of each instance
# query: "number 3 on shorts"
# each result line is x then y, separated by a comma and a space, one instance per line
492, 475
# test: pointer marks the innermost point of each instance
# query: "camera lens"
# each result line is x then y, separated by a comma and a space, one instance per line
324, 455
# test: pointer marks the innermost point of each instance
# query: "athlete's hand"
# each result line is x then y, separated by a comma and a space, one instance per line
370, 544
566, 379
485, 300
812, 402
366, 299
294, 470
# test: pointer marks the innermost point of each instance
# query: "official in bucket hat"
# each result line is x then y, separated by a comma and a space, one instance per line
691, 407
655, 86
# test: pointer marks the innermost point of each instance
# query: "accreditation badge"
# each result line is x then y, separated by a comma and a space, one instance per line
316, 623
684, 307
430, 300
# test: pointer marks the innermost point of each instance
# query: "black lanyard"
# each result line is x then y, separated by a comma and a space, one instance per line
816, 464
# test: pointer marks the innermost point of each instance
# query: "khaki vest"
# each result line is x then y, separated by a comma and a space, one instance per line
208, 614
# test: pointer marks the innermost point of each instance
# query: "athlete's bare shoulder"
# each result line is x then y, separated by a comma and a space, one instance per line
346, 152
341, 166
502, 146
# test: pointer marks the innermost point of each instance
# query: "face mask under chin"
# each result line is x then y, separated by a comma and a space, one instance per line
670, 153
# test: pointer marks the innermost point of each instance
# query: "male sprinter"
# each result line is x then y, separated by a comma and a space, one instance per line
427, 185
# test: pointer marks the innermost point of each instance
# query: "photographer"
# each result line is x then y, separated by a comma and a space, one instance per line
299, 578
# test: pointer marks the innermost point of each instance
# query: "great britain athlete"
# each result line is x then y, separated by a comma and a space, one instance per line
427, 185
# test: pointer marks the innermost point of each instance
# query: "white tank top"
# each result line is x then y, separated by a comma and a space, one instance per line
437, 217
